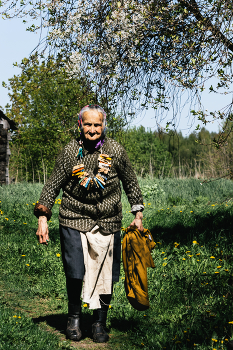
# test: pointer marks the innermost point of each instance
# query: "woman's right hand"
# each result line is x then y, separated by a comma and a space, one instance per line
43, 230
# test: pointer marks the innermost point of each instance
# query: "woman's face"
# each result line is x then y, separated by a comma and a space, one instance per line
92, 122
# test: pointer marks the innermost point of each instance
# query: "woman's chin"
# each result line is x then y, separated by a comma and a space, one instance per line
92, 139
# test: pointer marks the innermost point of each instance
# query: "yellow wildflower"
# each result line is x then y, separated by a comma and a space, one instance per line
58, 255
27, 265
218, 267
6, 219
191, 211
14, 316
84, 305
109, 306
212, 257
183, 259
215, 340
164, 264
195, 242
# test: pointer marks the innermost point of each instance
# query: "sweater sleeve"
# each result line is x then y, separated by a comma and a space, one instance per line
129, 181
60, 174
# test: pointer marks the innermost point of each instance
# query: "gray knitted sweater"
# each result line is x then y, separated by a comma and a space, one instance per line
82, 209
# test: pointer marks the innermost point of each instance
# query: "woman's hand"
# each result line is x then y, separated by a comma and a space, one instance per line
138, 221
43, 231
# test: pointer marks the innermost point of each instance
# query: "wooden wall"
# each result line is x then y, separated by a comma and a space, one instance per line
3, 155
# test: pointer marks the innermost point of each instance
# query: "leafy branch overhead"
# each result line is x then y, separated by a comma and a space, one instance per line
138, 53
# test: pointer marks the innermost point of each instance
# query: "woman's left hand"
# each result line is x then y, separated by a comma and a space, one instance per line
138, 221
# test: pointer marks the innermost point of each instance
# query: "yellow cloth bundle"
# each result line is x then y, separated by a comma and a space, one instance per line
136, 254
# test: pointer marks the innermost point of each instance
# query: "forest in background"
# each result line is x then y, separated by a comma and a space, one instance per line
155, 154
45, 103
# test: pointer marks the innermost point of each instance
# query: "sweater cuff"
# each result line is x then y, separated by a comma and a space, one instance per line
41, 210
137, 207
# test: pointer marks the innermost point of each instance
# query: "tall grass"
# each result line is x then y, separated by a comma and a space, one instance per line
190, 288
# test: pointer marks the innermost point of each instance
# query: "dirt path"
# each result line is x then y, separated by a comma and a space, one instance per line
49, 315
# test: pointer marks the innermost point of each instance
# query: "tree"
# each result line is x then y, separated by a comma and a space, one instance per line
45, 104
140, 53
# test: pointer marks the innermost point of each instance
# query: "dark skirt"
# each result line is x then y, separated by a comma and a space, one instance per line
72, 253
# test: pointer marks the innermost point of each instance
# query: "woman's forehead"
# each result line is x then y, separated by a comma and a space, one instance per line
92, 116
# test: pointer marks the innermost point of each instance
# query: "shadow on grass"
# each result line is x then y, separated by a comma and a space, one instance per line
58, 323
202, 228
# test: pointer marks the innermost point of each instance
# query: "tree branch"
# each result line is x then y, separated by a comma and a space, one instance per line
192, 7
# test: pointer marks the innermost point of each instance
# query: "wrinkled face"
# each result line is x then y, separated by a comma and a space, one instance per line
92, 122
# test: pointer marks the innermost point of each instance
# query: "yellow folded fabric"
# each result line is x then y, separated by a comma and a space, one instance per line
136, 254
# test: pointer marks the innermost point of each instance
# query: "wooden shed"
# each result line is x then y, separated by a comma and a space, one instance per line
5, 136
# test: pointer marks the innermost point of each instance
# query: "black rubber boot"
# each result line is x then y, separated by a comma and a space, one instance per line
99, 326
73, 331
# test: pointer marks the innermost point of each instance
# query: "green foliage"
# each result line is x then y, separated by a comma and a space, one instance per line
146, 153
190, 289
171, 154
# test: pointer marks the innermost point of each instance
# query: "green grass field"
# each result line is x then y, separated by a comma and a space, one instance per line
190, 288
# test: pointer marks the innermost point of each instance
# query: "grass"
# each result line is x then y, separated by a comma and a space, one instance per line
190, 288
19, 332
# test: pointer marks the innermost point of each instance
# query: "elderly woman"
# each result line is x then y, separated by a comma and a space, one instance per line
89, 171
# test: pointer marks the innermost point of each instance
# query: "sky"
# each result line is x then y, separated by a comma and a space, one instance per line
16, 43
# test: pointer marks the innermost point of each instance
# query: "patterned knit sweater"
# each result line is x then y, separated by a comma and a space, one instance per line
82, 209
